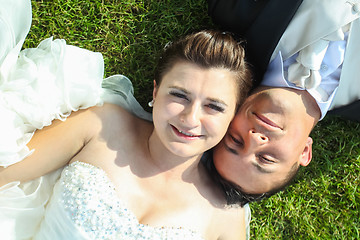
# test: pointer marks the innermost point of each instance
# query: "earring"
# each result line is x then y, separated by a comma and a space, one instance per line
151, 103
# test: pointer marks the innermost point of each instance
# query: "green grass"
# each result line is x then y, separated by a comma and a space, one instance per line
128, 33
324, 201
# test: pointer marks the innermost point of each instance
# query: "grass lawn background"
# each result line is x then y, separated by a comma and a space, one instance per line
324, 201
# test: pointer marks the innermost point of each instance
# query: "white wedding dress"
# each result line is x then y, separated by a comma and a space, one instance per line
84, 205
37, 86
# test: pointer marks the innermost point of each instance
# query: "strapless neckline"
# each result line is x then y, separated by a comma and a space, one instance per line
90, 199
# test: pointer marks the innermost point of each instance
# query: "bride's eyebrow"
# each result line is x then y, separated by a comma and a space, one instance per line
218, 101
180, 88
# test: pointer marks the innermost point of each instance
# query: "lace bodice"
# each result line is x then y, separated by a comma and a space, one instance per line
89, 201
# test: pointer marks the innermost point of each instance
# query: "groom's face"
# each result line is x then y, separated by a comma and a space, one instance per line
267, 139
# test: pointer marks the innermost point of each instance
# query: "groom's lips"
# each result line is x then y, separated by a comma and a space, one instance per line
267, 121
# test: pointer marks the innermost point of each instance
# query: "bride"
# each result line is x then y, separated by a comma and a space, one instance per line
124, 177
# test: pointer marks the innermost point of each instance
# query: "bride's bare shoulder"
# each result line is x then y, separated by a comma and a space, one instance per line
109, 111
114, 115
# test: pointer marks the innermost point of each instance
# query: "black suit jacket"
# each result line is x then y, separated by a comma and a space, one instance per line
260, 23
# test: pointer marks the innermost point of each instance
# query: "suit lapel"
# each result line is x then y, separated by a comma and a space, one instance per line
264, 34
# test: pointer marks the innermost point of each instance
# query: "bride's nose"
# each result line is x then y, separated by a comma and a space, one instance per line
191, 115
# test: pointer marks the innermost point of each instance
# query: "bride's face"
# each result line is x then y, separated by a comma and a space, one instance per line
193, 108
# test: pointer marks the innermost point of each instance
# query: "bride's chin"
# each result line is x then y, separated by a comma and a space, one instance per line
182, 151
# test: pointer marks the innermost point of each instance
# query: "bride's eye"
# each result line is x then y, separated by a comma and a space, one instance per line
215, 107
179, 95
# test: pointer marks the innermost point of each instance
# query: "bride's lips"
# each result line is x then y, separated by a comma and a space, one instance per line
267, 121
184, 134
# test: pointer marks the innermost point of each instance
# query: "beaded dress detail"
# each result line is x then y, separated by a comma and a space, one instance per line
86, 199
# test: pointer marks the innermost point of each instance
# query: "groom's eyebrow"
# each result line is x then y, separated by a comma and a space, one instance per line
233, 151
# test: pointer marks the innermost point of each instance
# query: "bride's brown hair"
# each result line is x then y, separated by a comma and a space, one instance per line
208, 49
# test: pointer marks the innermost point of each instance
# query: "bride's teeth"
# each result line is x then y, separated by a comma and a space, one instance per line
187, 134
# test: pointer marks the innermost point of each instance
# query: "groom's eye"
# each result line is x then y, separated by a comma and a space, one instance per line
264, 159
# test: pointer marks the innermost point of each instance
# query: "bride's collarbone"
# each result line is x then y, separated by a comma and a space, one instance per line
165, 208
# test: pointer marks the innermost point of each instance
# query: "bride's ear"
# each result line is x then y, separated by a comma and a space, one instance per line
155, 89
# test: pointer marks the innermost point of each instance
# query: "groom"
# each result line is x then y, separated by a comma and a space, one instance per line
268, 139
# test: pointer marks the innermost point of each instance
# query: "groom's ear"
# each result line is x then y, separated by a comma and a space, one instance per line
306, 155
155, 89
